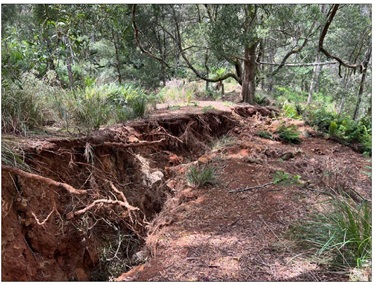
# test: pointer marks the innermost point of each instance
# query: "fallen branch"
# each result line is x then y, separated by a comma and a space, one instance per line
140, 143
250, 188
48, 181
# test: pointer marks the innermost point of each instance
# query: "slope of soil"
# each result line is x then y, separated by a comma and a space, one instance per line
117, 201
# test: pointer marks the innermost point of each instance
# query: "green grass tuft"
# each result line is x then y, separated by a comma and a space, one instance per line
198, 176
342, 234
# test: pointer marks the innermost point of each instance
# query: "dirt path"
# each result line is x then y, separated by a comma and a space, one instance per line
211, 234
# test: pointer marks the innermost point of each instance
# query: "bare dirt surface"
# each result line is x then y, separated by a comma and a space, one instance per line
134, 201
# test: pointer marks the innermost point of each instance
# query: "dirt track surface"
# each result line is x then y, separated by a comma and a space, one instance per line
210, 233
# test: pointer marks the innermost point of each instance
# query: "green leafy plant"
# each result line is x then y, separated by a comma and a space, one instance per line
291, 110
286, 179
199, 176
288, 134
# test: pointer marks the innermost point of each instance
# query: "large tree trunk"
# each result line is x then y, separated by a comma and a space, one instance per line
248, 82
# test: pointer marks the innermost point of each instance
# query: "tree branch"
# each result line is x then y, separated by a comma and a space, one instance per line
299, 64
136, 31
295, 50
323, 34
196, 72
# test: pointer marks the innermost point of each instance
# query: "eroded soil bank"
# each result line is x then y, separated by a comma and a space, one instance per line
83, 212
116, 205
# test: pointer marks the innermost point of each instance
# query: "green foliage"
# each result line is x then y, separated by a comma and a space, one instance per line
291, 110
342, 127
265, 134
288, 134
89, 108
285, 179
342, 233
202, 175
21, 110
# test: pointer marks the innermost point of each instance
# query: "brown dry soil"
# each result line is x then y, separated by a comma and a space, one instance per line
116, 205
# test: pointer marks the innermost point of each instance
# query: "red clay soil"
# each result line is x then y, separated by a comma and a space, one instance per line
211, 233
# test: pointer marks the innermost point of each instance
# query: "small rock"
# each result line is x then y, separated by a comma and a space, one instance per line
250, 159
287, 156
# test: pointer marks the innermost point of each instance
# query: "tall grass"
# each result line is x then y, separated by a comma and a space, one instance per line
10, 157
85, 109
341, 234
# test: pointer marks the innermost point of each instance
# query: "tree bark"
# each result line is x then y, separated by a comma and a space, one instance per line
118, 62
361, 85
315, 76
248, 81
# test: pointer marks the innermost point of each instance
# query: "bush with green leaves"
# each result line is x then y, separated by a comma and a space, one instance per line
341, 234
288, 134
342, 127
201, 175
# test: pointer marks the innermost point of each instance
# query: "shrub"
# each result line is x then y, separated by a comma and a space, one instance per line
342, 127
288, 134
291, 110
198, 176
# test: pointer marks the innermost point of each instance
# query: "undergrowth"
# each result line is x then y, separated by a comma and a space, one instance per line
340, 235
84, 109
288, 134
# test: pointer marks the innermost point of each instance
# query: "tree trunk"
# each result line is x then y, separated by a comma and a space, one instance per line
363, 78
271, 56
70, 72
69, 61
118, 62
248, 82
361, 85
344, 93
314, 79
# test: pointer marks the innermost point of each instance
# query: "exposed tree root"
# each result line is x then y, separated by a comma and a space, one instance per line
124, 203
43, 179
141, 143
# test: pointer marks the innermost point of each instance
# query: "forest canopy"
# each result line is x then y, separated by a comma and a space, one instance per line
307, 53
